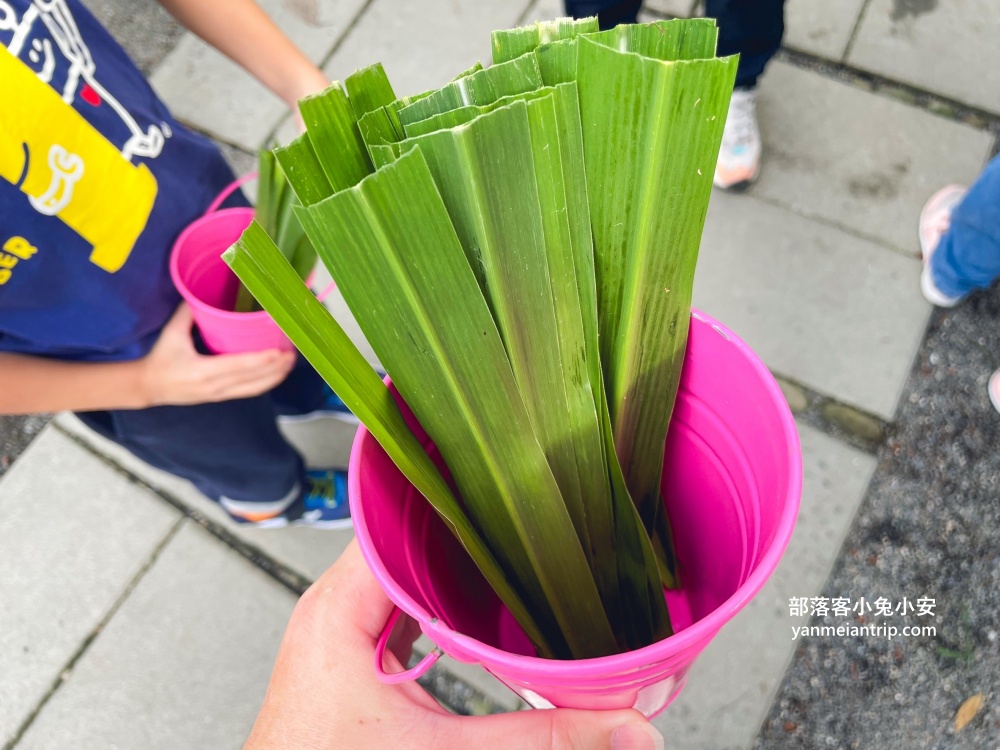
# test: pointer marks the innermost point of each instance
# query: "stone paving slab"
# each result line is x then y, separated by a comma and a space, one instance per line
827, 309
949, 48
73, 534
183, 664
676, 8
306, 551
145, 29
423, 45
821, 27
731, 686
862, 161
207, 90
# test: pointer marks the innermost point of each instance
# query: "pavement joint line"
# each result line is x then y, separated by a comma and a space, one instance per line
440, 682
875, 83
844, 422
854, 31
286, 576
66, 672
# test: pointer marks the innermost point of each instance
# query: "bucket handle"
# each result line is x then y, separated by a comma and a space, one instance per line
229, 190
410, 674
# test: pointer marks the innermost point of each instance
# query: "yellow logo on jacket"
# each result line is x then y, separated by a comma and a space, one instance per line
68, 169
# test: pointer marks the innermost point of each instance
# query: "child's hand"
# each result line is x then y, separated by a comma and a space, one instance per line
175, 373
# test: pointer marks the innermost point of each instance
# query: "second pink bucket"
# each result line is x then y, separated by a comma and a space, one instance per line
732, 481
210, 287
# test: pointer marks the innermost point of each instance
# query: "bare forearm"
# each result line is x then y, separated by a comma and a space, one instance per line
36, 384
244, 33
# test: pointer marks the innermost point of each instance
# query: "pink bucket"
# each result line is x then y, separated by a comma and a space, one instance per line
210, 287
732, 483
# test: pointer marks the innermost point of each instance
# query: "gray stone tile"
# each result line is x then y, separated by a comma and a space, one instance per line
675, 8
144, 28
423, 45
731, 685
949, 48
73, 534
821, 27
827, 309
210, 92
183, 664
543, 10
862, 161
306, 551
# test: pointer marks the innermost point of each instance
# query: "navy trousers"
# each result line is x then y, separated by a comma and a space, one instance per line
229, 449
750, 28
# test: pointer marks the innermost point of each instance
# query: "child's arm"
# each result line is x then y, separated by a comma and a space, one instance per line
172, 373
243, 32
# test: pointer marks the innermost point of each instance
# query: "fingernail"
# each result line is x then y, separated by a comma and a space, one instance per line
636, 737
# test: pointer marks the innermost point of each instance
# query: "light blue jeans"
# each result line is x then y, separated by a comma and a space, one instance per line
968, 256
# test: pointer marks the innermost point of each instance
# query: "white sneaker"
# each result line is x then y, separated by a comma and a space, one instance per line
739, 157
935, 218
994, 390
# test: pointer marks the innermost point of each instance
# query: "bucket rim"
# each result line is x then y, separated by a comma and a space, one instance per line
175, 274
695, 636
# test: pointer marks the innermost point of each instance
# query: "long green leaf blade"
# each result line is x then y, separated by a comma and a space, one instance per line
260, 266
448, 361
647, 224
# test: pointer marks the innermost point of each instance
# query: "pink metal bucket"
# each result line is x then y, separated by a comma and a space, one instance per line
732, 482
210, 287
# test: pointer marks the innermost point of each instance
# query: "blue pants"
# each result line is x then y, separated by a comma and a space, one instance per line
229, 449
968, 256
751, 28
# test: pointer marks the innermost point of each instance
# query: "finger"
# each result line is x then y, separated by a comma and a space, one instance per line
221, 366
247, 389
559, 729
254, 382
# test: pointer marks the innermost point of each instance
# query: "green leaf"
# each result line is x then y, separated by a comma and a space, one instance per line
261, 267
333, 131
368, 90
483, 87
647, 222
511, 43
442, 348
302, 169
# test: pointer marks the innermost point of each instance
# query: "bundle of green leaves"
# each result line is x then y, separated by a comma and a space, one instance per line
519, 248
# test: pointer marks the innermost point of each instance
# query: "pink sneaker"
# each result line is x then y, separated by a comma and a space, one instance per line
994, 390
935, 218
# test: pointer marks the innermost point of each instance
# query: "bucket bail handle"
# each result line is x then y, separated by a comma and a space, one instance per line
410, 674
229, 190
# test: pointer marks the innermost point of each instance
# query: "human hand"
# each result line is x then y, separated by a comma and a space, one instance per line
175, 373
324, 694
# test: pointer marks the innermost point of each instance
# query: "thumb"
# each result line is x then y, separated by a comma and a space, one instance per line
181, 321
558, 729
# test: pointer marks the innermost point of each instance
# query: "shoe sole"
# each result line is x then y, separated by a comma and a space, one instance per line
341, 524
317, 416
994, 390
